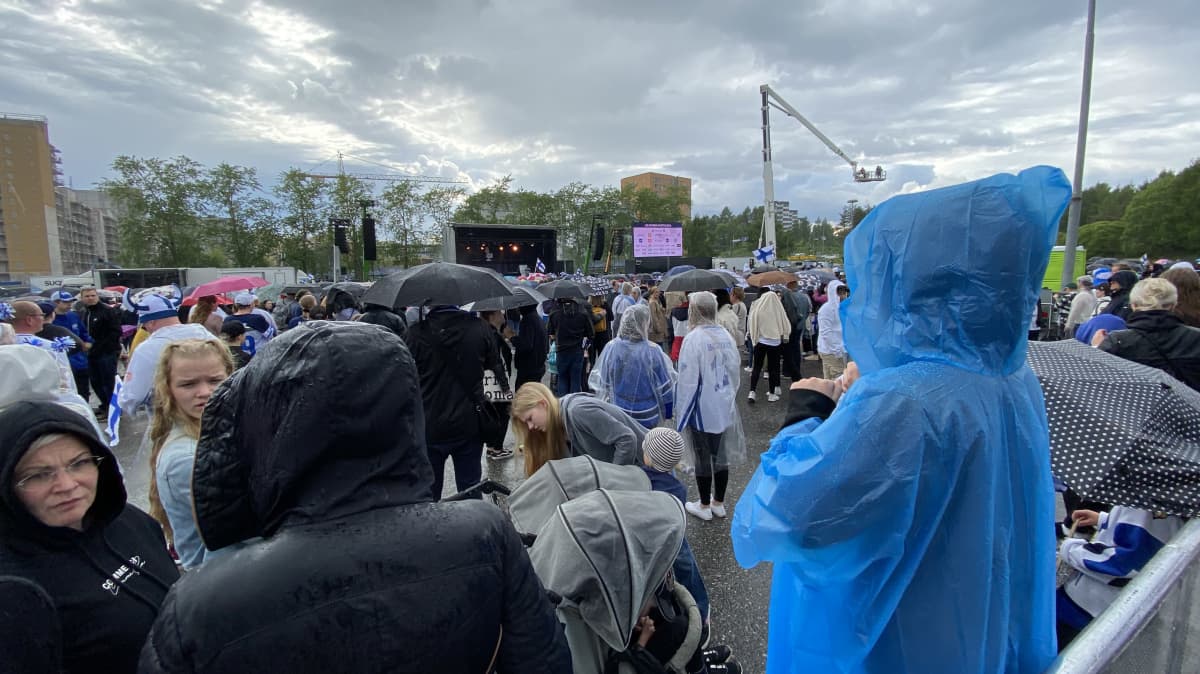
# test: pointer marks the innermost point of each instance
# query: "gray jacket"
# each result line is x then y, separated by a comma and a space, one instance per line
601, 430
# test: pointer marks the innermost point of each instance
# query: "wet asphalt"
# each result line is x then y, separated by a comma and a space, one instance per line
740, 598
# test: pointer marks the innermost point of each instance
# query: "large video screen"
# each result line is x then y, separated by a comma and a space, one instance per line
658, 239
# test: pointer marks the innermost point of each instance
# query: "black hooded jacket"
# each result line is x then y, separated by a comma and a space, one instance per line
452, 349
1161, 340
377, 315
1118, 305
530, 343
107, 581
318, 447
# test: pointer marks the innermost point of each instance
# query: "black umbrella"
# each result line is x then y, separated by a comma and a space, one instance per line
565, 290
1120, 433
693, 281
437, 283
521, 297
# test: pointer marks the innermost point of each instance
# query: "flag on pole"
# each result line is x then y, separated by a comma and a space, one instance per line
540, 267
114, 415
765, 254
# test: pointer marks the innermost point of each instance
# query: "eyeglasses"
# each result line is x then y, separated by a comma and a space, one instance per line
42, 479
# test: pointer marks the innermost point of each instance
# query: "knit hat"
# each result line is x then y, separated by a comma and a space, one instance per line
154, 303
664, 447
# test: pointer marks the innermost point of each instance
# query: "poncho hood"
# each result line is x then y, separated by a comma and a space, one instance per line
969, 260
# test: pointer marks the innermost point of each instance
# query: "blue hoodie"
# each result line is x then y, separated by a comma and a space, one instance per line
908, 530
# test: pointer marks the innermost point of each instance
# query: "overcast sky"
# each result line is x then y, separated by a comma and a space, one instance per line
554, 91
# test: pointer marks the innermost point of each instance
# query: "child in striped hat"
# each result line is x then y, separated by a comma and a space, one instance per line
662, 450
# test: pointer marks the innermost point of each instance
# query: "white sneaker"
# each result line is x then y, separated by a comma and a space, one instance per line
702, 511
778, 391
717, 509
750, 398
772, 397
749, 369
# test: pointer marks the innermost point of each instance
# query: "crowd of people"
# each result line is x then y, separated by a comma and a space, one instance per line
298, 517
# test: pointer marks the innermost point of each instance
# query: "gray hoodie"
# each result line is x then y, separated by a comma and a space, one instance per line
601, 430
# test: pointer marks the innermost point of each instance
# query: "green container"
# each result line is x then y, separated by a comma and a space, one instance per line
1053, 278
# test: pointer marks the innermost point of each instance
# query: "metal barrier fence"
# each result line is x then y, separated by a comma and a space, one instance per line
1154, 625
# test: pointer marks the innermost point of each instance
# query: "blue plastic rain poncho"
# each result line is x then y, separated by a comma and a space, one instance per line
633, 373
908, 530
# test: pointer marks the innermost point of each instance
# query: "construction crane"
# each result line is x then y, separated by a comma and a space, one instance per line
771, 99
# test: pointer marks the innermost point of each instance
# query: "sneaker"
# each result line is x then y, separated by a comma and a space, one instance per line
750, 398
499, 454
730, 666
699, 510
718, 654
717, 509
772, 397
749, 369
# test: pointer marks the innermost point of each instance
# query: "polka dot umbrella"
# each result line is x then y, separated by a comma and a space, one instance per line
1120, 432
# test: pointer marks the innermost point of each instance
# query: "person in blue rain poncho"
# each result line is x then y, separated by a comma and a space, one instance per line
907, 527
633, 373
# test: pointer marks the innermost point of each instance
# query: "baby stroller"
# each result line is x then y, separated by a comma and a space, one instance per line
604, 549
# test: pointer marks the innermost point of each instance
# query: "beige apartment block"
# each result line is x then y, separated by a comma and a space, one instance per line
29, 237
659, 183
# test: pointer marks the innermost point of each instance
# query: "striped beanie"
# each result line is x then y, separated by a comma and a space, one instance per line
664, 447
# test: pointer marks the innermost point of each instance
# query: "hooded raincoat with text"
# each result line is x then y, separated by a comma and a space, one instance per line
908, 529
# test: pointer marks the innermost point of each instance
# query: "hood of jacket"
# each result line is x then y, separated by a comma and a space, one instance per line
833, 302
951, 275
1127, 279
327, 422
23, 423
767, 301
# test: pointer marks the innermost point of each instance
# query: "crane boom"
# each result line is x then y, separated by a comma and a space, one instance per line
400, 178
771, 99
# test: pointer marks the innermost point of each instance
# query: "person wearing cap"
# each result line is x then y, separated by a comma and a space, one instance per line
233, 333
1120, 284
1082, 306
662, 450
258, 329
54, 333
159, 316
66, 318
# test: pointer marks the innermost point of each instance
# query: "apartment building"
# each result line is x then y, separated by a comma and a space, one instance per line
659, 183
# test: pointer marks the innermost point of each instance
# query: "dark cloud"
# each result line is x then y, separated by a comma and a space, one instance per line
554, 92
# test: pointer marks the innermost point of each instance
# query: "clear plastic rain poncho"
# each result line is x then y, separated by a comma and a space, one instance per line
908, 530
710, 372
633, 373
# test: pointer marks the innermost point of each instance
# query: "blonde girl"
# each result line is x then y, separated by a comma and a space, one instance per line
538, 424
188, 372
552, 428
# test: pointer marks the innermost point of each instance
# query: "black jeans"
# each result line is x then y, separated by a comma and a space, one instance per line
81, 383
792, 356
526, 376
102, 372
771, 355
468, 468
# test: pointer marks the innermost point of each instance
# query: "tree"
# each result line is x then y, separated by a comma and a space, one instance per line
403, 212
241, 223
162, 202
488, 205
1104, 238
304, 237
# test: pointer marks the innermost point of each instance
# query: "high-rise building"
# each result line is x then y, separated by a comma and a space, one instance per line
29, 237
660, 183
785, 216
87, 229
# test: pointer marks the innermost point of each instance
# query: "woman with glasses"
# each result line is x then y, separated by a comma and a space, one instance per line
65, 526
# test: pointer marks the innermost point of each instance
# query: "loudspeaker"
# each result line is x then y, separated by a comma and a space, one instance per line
598, 244
368, 233
339, 235
618, 243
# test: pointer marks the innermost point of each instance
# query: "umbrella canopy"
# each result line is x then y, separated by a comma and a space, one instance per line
770, 278
679, 269
815, 278
605, 553
437, 283
1120, 432
520, 297
761, 268
565, 290
561, 480
693, 281
225, 285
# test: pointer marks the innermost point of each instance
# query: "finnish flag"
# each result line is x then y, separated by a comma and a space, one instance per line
540, 267
114, 415
765, 254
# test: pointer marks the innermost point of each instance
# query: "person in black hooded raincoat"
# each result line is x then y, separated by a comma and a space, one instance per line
106, 578
358, 569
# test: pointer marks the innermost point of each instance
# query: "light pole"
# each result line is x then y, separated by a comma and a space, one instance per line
1080, 145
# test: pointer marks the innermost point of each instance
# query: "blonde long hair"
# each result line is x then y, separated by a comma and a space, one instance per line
167, 414
539, 446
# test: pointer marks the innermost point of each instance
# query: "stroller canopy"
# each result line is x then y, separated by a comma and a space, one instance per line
606, 553
559, 481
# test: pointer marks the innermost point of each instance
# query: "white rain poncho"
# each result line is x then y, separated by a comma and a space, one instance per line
31, 373
709, 375
633, 373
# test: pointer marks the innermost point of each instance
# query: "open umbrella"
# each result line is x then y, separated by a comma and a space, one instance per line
770, 278
679, 269
565, 290
437, 283
815, 278
1120, 432
520, 297
224, 285
693, 281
